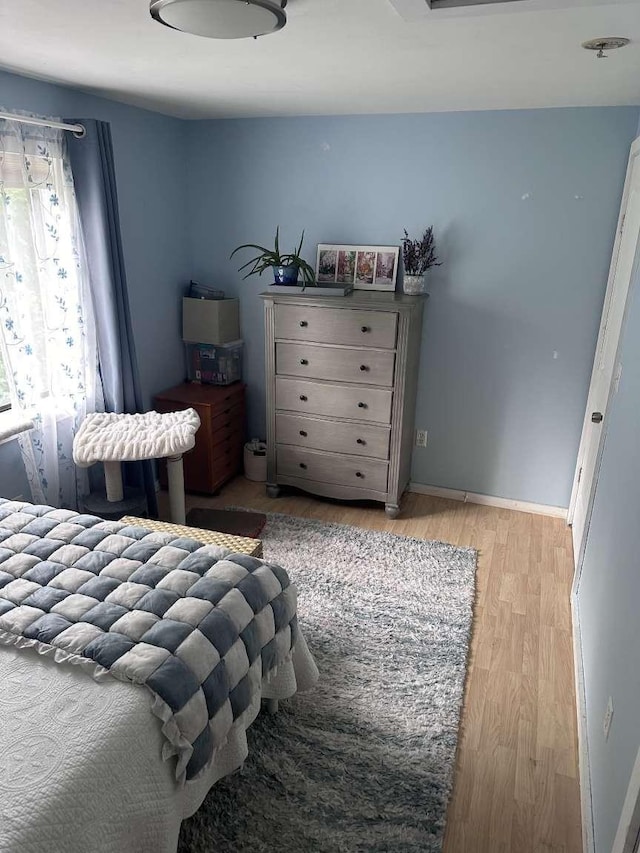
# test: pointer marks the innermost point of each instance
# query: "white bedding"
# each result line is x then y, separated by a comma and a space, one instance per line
62, 791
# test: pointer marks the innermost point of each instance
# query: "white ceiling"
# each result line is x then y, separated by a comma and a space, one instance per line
333, 56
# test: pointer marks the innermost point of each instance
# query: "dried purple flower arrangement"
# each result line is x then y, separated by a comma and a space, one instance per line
419, 255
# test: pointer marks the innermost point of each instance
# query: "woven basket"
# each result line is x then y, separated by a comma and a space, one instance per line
239, 544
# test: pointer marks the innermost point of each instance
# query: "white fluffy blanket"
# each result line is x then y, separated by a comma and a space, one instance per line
108, 437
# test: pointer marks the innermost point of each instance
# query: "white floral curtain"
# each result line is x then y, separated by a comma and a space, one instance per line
47, 330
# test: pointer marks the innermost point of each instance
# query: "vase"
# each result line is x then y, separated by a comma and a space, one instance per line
414, 284
285, 275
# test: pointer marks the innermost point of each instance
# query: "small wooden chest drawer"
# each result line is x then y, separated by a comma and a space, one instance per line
217, 455
367, 366
226, 454
331, 468
336, 326
228, 418
336, 400
335, 436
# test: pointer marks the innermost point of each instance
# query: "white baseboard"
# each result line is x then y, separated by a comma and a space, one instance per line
586, 805
488, 500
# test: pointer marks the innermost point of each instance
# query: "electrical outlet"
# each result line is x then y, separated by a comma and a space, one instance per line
421, 438
608, 717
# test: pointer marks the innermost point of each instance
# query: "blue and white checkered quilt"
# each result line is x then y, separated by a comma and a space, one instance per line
197, 625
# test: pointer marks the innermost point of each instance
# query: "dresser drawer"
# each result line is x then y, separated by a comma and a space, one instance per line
331, 468
230, 432
321, 434
336, 326
226, 452
233, 418
373, 367
337, 400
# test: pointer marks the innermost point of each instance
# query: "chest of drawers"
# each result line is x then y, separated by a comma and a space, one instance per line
341, 376
217, 455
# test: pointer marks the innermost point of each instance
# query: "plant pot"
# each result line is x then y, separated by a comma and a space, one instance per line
414, 284
285, 275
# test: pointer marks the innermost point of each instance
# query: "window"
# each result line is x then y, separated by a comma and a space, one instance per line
39, 264
15, 199
46, 320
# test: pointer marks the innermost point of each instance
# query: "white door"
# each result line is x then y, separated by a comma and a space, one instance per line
605, 369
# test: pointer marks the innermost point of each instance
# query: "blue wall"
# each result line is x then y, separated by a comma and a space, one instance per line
150, 172
608, 596
524, 206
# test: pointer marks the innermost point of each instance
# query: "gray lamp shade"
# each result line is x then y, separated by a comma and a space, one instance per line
210, 321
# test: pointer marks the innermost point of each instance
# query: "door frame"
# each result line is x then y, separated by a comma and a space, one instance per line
633, 162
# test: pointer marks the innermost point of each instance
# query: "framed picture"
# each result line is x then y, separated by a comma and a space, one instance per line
327, 264
365, 267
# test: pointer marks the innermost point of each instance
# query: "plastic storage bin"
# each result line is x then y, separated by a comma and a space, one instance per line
214, 365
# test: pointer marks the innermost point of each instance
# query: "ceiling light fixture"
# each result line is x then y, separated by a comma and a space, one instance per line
221, 19
602, 44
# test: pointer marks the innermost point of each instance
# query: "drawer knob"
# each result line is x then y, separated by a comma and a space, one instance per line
359, 474
303, 397
361, 405
303, 465
303, 324
303, 361
360, 441
364, 329
364, 367
303, 433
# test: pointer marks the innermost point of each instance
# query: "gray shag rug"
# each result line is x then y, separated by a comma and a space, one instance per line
364, 762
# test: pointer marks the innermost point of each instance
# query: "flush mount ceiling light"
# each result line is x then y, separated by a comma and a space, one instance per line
221, 19
602, 44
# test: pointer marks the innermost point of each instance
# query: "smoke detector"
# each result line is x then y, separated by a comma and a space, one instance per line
603, 44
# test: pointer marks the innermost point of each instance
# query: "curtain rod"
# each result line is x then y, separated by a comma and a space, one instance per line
77, 129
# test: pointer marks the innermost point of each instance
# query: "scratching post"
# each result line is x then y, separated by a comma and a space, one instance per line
113, 481
112, 439
175, 477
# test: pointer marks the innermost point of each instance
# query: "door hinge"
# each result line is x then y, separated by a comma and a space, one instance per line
624, 216
579, 475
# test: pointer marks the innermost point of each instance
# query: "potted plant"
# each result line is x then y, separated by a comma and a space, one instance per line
286, 267
418, 256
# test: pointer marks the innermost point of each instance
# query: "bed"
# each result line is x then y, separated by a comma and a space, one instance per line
90, 760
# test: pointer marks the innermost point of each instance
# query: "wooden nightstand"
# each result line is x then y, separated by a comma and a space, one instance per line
217, 456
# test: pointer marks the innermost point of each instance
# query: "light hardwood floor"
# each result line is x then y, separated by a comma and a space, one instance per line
516, 782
